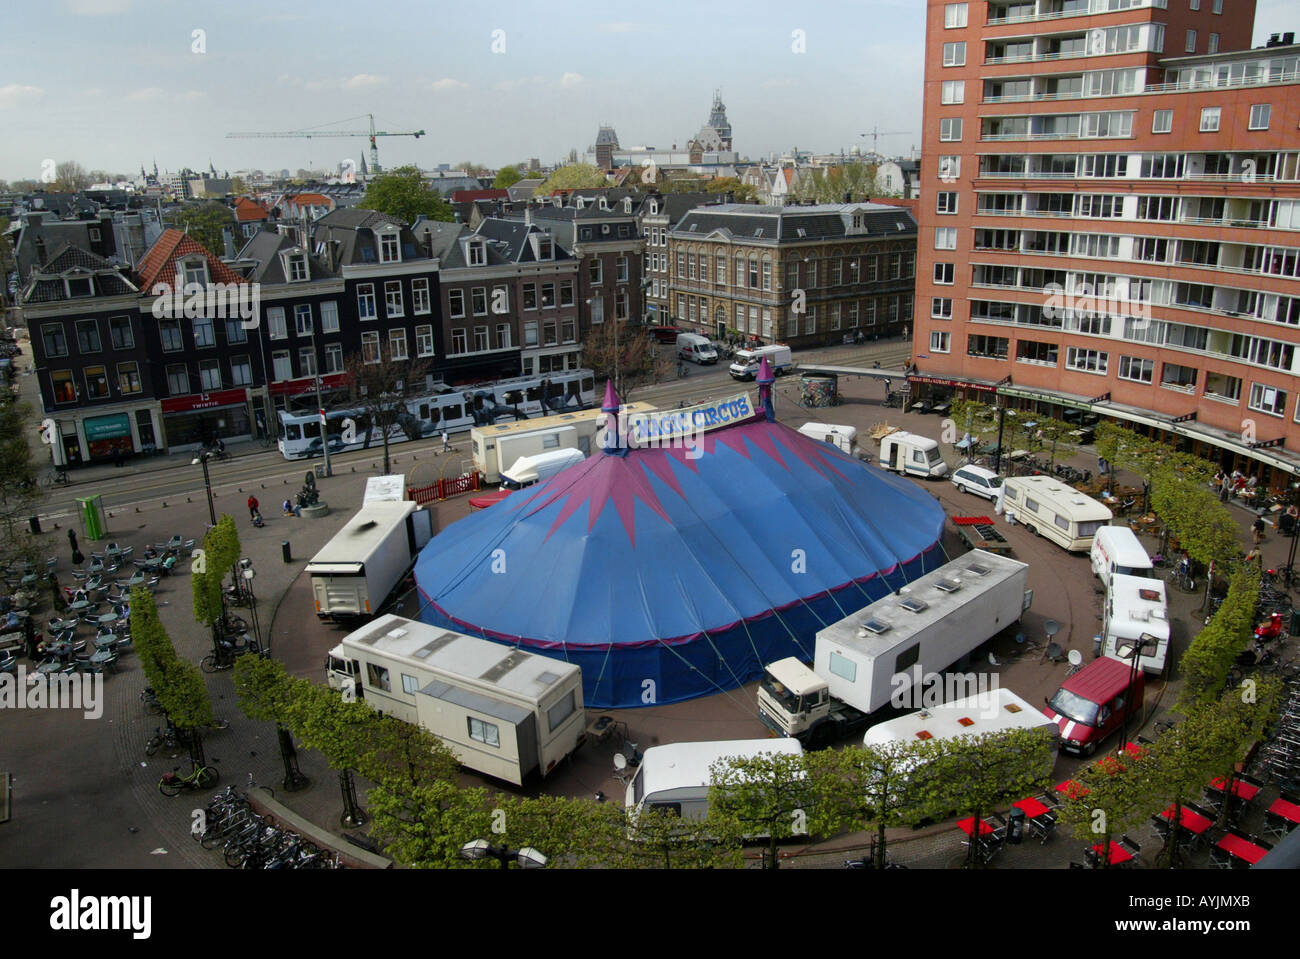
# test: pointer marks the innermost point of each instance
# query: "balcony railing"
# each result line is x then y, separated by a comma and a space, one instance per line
1214, 83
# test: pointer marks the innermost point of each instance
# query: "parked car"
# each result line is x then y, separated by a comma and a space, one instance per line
666, 334
314, 448
979, 481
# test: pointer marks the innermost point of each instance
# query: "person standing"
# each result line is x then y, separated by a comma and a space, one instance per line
446, 442
252, 507
1257, 529
76, 553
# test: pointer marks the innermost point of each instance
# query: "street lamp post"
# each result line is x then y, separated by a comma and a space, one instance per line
202, 458
527, 857
1132, 651
320, 406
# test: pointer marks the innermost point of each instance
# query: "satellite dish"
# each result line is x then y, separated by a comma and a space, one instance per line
1075, 657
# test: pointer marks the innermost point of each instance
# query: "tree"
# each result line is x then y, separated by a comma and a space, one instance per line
219, 553
20, 488
381, 390
626, 354
403, 193
1208, 658
574, 176
741, 192
830, 185
69, 177
472, 169
766, 795
1110, 797
206, 223
506, 177
425, 826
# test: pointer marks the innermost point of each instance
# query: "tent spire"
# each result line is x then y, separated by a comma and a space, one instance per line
765, 380
614, 442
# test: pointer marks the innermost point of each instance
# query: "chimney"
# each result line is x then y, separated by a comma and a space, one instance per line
428, 242
528, 215
228, 241
1288, 39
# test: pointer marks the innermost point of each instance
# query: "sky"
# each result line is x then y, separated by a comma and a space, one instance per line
114, 84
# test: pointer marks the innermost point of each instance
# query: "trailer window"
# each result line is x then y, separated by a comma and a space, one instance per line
667, 808
638, 786
410, 684
844, 667
918, 456
377, 676
1009, 492
1031, 504
551, 442
932, 455
1090, 528
486, 733
561, 711
1063, 523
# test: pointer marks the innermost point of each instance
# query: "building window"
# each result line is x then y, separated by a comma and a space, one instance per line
88, 336
945, 238
241, 371
950, 129
302, 319
941, 308
721, 271
954, 54
954, 16
704, 268
988, 347
424, 341
620, 305
622, 267
1136, 369
530, 296
366, 308
393, 305
420, 297
484, 732
329, 317
275, 327
281, 365
397, 344
235, 332
594, 272
953, 91
566, 293
1162, 121
940, 340
370, 347
169, 331
481, 343
1032, 351
333, 358
1259, 116
1210, 119
297, 267
128, 378
96, 383
56, 343
1214, 43
1218, 6
569, 330
388, 248
949, 167
119, 330
65, 390
946, 202
549, 334
456, 303
209, 375
503, 336
548, 296
1191, 41
478, 300
196, 273
459, 341
204, 335
1087, 361
944, 273
1266, 399
178, 379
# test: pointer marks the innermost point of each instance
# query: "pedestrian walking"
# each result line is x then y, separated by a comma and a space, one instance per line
252, 507
446, 443
77, 558
1225, 488
1257, 529
1254, 557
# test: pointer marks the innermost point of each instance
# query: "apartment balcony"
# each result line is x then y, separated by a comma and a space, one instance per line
1215, 83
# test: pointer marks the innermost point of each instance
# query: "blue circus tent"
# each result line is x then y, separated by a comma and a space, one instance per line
672, 573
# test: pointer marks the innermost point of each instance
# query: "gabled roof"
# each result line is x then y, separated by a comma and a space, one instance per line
47, 284
768, 225
509, 238
248, 211
442, 236
265, 247
469, 196
523, 189
159, 264
310, 199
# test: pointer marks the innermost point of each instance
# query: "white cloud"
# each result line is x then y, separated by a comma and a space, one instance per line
192, 95
447, 83
621, 27
14, 93
533, 81
363, 81
93, 92
148, 93
97, 8
571, 79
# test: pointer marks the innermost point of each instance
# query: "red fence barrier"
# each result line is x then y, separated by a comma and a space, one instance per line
445, 488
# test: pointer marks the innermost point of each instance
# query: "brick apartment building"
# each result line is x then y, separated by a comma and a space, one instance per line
1111, 219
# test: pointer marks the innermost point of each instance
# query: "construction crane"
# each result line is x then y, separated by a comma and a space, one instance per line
876, 133
321, 131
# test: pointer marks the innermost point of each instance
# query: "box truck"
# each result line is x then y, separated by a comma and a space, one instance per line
496, 447
502, 711
1135, 607
844, 437
676, 776
912, 455
883, 653
354, 573
696, 348
745, 363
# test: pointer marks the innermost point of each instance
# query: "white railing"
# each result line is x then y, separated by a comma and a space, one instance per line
1214, 83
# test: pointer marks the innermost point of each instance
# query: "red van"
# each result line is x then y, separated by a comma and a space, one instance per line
666, 334
1095, 702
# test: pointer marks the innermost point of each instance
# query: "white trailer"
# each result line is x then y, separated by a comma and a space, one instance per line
354, 573
912, 455
885, 653
498, 446
1136, 607
502, 711
844, 437
676, 776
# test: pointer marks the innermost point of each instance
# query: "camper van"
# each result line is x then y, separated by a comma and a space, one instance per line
530, 470
912, 455
696, 348
1095, 702
676, 776
1136, 607
844, 437
1049, 508
1116, 549
745, 363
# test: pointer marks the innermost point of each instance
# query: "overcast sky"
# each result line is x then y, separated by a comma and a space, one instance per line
113, 84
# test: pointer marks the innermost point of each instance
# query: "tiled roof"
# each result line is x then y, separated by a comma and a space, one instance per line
794, 224
159, 264
310, 199
247, 211
265, 248
469, 196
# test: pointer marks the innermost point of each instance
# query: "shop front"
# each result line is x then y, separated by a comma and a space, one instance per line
192, 421
108, 437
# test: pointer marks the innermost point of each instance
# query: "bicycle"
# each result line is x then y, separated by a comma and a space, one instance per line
171, 739
58, 478
150, 700
200, 777
1182, 579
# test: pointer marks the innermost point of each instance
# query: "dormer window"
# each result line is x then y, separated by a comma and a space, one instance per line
296, 267
79, 286
579, 203
477, 253
195, 273
542, 247
627, 205
654, 207
603, 204
389, 251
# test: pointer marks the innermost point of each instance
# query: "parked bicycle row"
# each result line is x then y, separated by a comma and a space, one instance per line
249, 840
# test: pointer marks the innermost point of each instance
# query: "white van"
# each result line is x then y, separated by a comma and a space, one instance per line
1116, 549
1049, 508
744, 364
1136, 606
529, 470
979, 481
676, 776
696, 348
844, 437
912, 455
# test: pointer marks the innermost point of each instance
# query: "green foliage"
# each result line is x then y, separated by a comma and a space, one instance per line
1115, 796
1203, 525
20, 488
1215, 649
574, 176
741, 192
765, 795
507, 177
220, 553
178, 685
425, 826
403, 193
262, 688
396, 751
204, 222
830, 184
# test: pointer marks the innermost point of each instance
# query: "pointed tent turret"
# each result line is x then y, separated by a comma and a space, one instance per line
613, 443
765, 380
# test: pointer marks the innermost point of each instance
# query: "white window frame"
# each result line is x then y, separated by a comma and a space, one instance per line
1259, 398
396, 340
941, 308
945, 238
1214, 43
952, 92
945, 202
1208, 114
954, 54
420, 302
940, 341
945, 274
1167, 116
453, 297
424, 340
394, 304
391, 243
366, 298
1190, 46
1267, 111
329, 316
955, 15
370, 338
947, 127
333, 357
